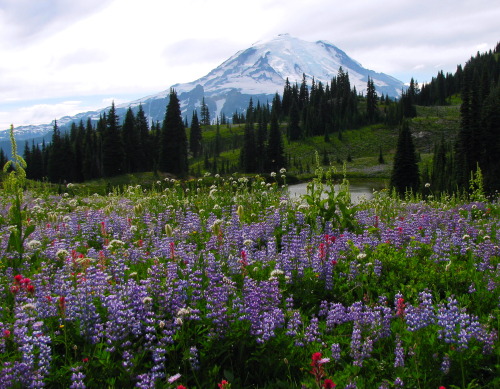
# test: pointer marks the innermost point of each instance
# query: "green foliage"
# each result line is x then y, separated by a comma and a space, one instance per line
327, 204
13, 185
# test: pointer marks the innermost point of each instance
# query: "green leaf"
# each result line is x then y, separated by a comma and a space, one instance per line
29, 230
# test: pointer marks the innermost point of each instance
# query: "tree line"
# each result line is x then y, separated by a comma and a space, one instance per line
477, 146
107, 148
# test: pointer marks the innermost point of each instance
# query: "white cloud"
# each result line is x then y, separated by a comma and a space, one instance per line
40, 113
59, 49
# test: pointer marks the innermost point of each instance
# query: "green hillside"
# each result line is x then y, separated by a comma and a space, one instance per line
359, 149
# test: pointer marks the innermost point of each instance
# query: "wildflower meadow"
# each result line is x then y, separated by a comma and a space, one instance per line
229, 282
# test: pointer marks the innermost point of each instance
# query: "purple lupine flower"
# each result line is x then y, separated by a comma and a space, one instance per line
398, 383
421, 316
377, 267
445, 364
335, 349
336, 315
399, 353
144, 381
77, 378
194, 360
312, 333
356, 345
294, 323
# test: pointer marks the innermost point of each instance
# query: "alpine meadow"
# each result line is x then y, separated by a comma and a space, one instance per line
158, 244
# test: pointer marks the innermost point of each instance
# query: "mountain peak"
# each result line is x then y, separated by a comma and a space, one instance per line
264, 67
257, 72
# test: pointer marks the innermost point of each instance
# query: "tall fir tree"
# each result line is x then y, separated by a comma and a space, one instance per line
371, 101
275, 150
56, 169
248, 154
405, 175
37, 165
173, 143
217, 140
144, 146
303, 93
286, 101
195, 136
90, 160
112, 145
490, 120
261, 140
205, 113
294, 130
130, 138
77, 144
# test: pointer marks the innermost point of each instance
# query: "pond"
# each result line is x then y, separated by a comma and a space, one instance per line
360, 189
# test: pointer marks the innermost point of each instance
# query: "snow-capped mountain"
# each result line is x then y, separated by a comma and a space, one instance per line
258, 72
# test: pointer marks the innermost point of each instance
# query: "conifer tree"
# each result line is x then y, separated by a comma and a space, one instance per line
218, 140
195, 136
77, 143
173, 141
275, 150
248, 154
277, 107
371, 101
155, 146
112, 145
490, 120
286, 101
294, 130
90, 159
68, 160
143, 146
55, 165
303, 93
27, 159
130, 138
261, 140
37, 165
205, 113
405, 175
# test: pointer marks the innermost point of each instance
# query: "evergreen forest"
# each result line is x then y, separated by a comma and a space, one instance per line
269, 136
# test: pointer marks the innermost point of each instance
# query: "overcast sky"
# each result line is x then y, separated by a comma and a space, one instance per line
62, 57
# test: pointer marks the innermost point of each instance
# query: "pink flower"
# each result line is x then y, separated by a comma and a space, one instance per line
174, 378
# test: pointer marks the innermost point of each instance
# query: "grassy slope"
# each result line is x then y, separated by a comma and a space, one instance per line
363, 144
